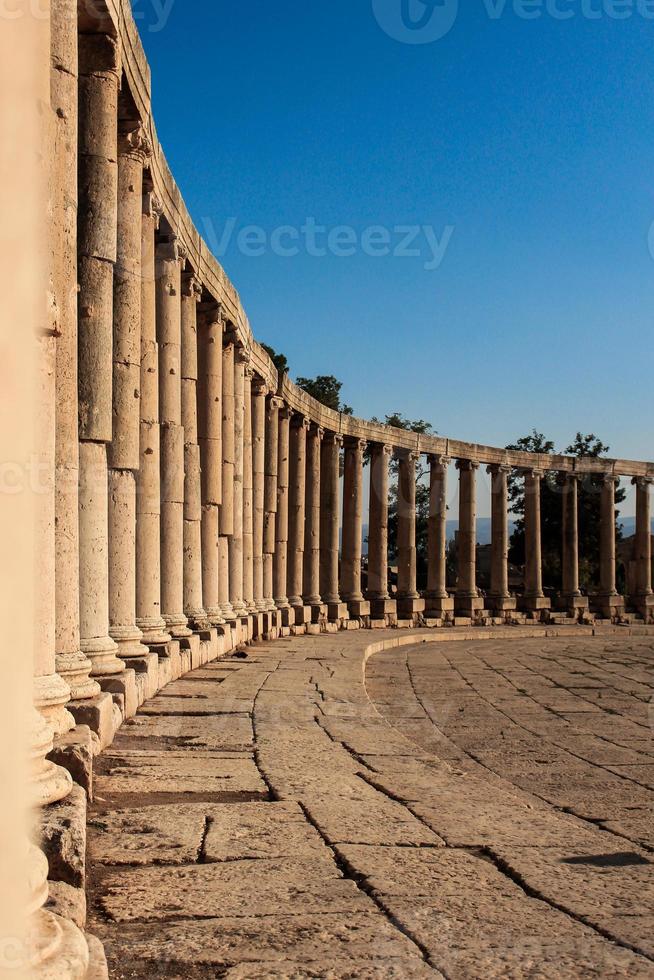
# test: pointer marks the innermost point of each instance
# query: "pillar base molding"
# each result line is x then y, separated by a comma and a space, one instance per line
643, 605
358, 608
51, 695
439, 606
408, 606
128, 640
535, 603
468, 606
199, 619
302, 613
153, 631
177, 626
501, 603
57, 948
49, 782
337, 611
608, 605
319, 612
382, 606
574, 601
103, 654
75, 668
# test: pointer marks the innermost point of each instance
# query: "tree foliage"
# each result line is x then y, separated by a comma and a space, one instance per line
552, 511
326, 389
279, 360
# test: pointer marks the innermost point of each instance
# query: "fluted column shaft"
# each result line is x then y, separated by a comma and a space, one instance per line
194, 609
273, 406
226, 520
296, 508
148, 478
329, 518
123, 458
643, 541
170, 263
280, 564
378, 523
352, 521
99, 67
248, 494
406, 524
236, 540
311, 593
259, 391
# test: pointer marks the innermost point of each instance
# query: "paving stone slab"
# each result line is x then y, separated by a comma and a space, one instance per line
260, 830
187, 705
175, 733
333, 970
170, 772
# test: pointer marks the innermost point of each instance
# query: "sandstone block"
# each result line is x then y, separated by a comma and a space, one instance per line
63, 838
75, 751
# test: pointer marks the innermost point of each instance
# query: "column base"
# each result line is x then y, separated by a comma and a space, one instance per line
535, 603
74, 669
177, 626
439, 607
574, 601
58, 948
153, 631
123, 685
408, 606
468, 606
319, 612
381, 607
302, 615
358, 608
103, 654
608, 606
98, 714
643, 605
197, 619
337, 611
128, 639
51, 697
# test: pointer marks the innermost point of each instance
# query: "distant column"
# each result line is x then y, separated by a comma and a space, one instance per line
353, 529
643, 599
311, 595
409, 602
499, 598
259, 392
280, 566
296, 510
608, 603
273, 406
329, 526
381, 604
227, 505
438, 603
210, 441
467, 600
248, 495
534, 598
571, 598
236, 540
169, 265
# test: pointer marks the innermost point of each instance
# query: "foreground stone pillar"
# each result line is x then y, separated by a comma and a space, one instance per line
148, 478
170, 262
99, 67
209, 395
438, 603
500, 599
124, 450
571, 598
642, 600
409, 603
381, 604
194, 609
236, 540
259, 392
311, 594
467, 601
71, 664
296, 514
227, 490
329, 526
270, 498
608, 603
248, 494
353, 529
280, 566
534, 598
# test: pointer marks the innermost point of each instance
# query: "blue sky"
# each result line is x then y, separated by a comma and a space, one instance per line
523, 146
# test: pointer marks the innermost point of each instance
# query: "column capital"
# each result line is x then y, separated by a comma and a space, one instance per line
533, 471
607, 478
567, 476
285, 412
299, 421
353, 442
241, 355
259, 387
381, 449
411, 454
249, 371
152, 207
172, 250
275, 402
642, 481
317, 431
439, 461
467, 464
133, 141
494, 468
191, 286
333, 438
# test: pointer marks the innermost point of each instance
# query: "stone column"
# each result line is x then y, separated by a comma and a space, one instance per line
270, 498
194, 609
236, 595
226, 523
467, 601
210, 444
381, 604
608, 603
124, 450
99, 67
500, 599
571, 598
409, 602
280, 564
248, 494
296, 516
330, 467
170, 262
148, 478
259, 392
438, 603
353, 529
642, 601
534, 597
311, 594
71, 664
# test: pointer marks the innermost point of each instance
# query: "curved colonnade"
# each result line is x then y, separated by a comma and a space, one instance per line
192, 498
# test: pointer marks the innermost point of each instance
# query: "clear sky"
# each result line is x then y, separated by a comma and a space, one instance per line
525, 147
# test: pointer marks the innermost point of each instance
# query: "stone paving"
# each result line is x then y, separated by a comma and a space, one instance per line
458, 809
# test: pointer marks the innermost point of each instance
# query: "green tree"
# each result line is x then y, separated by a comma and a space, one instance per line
279, 360
552, 511
326, 389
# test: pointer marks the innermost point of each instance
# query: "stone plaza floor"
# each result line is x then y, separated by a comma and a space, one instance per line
466, 808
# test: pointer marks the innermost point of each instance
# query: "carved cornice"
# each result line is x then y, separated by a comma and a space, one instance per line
439, 462
134, 142
467, 465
